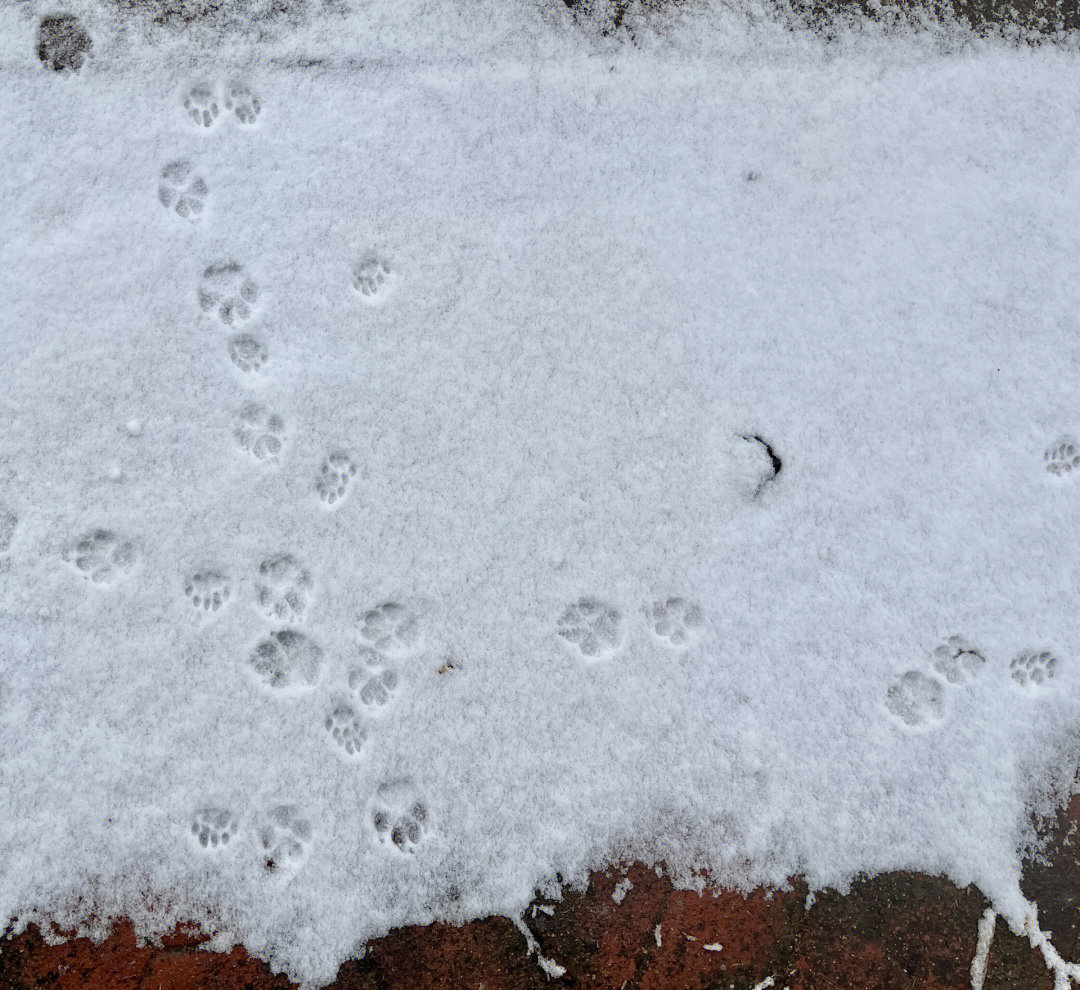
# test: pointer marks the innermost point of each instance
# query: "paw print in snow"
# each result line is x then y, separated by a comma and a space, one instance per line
208, 591
345, 728
9, 522
1062, 457
916, 699
284, 838
957, 661
283, 588
399, 815
247, 353
242, 103
287, 660
373, 279
1033, 668
213, 828
181, 190
674, 621
227, 291
374, 683
201, 104
101, 556
260, 432
391, 628
592, 627
335, 477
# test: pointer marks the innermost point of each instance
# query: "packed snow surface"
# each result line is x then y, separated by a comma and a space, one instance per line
425, 478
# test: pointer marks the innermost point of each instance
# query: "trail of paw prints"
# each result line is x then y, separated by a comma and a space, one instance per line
181, 190
260, 432
286, 661
285, 836
201, 104
916, 699
335, 478
213, 828
208, 591
400, 816
248, 353
373, 682
242, 103
283, 588
373, 279
1033, 669
228, 292
957, 661
345, 728
391, 628
101, 556
675, 622
1062, 457
592, 628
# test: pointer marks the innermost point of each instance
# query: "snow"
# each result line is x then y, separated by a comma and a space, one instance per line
384, 531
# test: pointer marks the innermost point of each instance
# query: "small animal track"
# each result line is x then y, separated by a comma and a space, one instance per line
213, 828
284, 838
399, 815
208, 591
248, 353
373, 279
228, 292
260, 432
287, 660
346, 728
335, 477
1033, 668
182, 191
101, 556
283, 588
592, 627
916, 699
62, 43
674, 621
242, 103
201, 104
957, 661
391, 628
374, 683
1062, 457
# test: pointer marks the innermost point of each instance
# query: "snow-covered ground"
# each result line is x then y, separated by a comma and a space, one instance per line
388, 521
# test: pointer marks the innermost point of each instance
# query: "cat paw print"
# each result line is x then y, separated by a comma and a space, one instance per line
391, 628
957, 661
283, 588
675, 622
1062, 457
208, 591
227, 292
346, 728
373, 279
284, 838
593, 628
213, 828
286, 661
181, 190
247, 353
400, 816
1033, 668
242, 102
374, 683
916, 699
200, 102
260, 432
335, 477
101, 556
